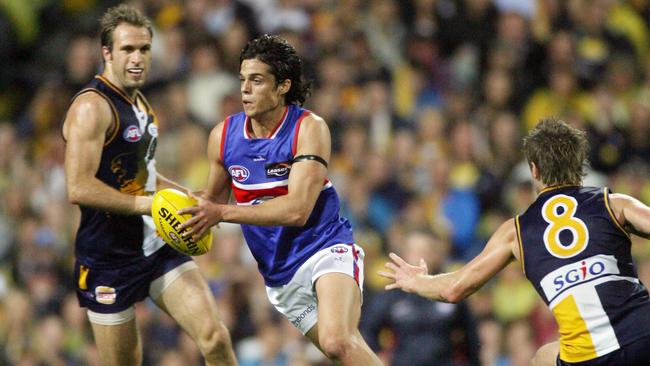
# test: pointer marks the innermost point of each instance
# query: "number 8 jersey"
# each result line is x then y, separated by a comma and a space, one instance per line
578, 258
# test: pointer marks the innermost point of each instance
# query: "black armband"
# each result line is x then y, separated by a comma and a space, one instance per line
310, 157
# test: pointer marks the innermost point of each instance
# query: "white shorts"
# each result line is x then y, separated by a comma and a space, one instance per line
297, 299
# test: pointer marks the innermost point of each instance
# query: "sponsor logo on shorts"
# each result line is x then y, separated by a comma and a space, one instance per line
239, 173
105, 295
296, 322
132, 134
339, 249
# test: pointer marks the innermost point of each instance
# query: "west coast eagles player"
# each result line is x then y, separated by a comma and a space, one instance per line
573, 244
274, 156
110, 132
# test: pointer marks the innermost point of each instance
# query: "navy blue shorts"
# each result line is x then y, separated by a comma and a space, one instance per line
636, 353
113, 290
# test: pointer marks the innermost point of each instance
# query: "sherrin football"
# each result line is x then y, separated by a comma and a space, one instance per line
166, 203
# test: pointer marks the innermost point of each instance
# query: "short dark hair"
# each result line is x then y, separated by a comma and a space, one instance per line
121, 14
283, 62
558, 150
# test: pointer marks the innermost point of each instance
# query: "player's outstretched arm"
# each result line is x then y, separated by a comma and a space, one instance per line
631, 213
500, 250
84, 130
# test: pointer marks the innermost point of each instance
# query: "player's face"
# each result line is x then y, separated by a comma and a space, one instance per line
260, 93
130, 58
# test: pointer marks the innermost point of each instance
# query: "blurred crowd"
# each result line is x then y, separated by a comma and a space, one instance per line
427, 101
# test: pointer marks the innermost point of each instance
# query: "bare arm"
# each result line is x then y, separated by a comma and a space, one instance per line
208, 211
500, 250
218, 189
84, 129
631, 214
293, 209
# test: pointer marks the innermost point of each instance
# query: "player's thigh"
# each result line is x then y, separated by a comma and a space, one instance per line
339, 302
190, 302
118, 344
547, 355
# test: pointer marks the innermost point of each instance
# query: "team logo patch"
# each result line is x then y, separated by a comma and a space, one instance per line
239, 173
339, 249
105, 295
153, 130
132, 134
278, 169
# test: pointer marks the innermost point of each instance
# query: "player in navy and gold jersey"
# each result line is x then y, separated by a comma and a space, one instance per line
111, 132
273, 156
573, 244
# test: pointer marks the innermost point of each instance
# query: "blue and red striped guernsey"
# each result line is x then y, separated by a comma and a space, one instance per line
259, 170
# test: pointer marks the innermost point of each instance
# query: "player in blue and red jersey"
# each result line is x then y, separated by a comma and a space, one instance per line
574, 247
111, 133
274, 157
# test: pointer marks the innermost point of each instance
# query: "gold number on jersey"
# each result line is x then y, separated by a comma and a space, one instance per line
564, 220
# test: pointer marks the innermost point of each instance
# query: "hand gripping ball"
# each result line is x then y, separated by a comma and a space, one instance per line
166, 203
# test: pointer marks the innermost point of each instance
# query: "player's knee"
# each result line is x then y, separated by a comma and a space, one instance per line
214, 340
337, 345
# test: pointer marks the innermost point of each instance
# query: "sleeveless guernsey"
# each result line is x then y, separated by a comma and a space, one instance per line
577, 256
108, 240
259, 170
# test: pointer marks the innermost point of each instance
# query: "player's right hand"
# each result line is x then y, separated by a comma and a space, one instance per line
404, 275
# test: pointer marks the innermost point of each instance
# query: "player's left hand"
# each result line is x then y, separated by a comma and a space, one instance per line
403, 274
205, 214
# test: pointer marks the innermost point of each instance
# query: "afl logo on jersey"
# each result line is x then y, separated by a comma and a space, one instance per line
132, 134
239, 173
339, 249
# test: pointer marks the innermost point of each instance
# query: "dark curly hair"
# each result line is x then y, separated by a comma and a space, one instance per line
558, 150
283, 62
